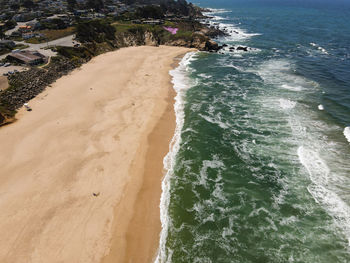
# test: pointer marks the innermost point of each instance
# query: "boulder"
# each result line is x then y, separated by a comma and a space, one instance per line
211, 45
242, 48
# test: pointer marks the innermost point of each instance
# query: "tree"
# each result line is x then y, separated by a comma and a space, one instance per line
95, 31
149, 11
97, 5
15, 7
9, 24
28, 4
71, 4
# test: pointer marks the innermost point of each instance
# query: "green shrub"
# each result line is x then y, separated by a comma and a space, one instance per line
95, 31
75, 52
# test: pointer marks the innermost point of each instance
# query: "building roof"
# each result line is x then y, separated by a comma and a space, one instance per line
25, 56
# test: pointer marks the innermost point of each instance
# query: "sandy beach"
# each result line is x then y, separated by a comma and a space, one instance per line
80, 176
3, 83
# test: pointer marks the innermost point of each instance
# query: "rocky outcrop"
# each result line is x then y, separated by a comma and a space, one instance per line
150, 39
240, 48
199, 41
213, 32
211, 45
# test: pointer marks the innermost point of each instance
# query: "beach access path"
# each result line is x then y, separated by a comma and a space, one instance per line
80, 175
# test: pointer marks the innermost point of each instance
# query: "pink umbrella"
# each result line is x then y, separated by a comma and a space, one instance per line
172, 30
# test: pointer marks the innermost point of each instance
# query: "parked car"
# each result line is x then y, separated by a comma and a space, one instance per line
7, 65
1, 64
5, 74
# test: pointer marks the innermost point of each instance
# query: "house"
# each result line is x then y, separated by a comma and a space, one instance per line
24, 29
23, 17
153, 22
80, 12
35, 25
7, 43
27, 57
28, 35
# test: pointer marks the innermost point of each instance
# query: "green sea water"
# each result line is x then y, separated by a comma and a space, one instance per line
259, 169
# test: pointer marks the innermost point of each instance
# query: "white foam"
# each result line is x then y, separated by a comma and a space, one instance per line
217, 11
321, 191
334, 205
234, 32
347, 133
213, 164
314, 164
205, 76
288, 220
215, 120
239, 53
181, 85
320, 48
293, 88
281, 72
320, 107
287, 104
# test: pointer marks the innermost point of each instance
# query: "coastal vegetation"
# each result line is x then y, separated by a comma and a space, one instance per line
95, 31
49, 35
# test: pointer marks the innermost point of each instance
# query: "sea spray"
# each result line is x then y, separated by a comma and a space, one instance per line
234, 33
347, 133
181, 84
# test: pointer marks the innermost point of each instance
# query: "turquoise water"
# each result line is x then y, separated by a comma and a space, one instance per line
259, 169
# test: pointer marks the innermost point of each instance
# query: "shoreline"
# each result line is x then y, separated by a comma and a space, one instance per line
92, 156
134, 243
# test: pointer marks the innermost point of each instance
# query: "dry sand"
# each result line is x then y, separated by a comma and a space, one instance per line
103, 129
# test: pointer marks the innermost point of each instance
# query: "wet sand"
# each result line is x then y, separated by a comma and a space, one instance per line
80, 176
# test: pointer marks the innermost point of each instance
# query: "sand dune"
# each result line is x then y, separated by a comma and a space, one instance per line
80, 175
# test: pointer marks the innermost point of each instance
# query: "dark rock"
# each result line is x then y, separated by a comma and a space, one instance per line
211, 45
242, 48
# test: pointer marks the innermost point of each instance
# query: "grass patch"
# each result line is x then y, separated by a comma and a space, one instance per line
4, 51
126, 26
21, 46
7, 50
74, 53
35, 40
51, 35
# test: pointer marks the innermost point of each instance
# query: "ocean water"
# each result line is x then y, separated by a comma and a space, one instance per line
259, 167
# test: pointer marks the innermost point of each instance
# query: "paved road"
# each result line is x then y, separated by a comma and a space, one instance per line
65, 41
11, 68
9, 32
